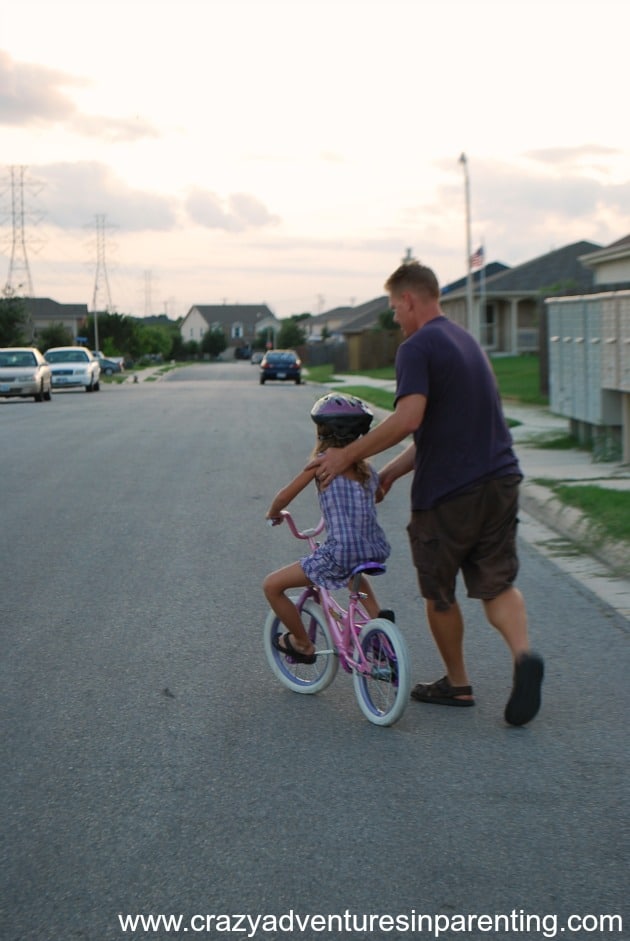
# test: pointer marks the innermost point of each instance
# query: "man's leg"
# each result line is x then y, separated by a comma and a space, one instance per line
447, 628
507, 613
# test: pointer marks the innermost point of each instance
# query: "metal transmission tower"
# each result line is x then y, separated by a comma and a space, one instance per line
19, 280
101, 279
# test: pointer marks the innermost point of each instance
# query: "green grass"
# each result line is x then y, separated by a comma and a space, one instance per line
372, 394
518, 377
608, 509
324, 373
556, 441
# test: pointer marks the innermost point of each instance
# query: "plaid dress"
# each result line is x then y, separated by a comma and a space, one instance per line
353, 534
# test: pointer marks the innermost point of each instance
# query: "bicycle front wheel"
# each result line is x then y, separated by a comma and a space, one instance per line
383, 692
303, 677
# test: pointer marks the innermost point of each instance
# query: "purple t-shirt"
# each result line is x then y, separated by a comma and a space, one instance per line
463, 438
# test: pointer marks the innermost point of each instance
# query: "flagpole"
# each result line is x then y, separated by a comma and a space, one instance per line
469, 278
482, 292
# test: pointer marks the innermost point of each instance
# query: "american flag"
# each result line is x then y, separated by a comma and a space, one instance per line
476, 260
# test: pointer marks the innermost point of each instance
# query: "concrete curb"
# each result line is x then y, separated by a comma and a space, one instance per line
575, 526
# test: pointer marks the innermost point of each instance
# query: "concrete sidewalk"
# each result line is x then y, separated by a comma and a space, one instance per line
571, 466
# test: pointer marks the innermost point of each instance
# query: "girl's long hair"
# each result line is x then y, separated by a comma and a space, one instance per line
361, 468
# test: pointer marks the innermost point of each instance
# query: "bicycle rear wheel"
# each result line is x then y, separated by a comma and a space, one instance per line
303, 677
383, 693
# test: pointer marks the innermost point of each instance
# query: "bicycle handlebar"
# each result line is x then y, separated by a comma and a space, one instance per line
308, 533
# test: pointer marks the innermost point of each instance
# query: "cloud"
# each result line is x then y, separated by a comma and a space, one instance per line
571, 156
542, 199
74, 193
33, 95
239, 212
30, 93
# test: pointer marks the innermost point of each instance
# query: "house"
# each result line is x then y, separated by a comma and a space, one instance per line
345, 337
341, 321
507, 303
241, 323
589, 354
42, 312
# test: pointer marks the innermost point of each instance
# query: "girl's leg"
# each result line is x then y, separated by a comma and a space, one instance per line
370, 602
274, 586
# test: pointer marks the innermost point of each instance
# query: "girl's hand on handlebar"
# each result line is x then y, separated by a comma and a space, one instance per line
273, 520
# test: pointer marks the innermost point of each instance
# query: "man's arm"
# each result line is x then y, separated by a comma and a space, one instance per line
403, 421
399, 466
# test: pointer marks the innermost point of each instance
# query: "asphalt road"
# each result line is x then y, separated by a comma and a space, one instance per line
151, 762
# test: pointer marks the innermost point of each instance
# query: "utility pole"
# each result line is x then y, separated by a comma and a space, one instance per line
470, 314
101, 279
148, 300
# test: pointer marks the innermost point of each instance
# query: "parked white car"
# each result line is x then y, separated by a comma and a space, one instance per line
24, 372
73, 366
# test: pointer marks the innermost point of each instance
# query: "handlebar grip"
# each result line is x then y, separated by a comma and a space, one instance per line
307, 534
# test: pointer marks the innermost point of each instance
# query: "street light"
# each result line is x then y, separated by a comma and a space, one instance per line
470, 314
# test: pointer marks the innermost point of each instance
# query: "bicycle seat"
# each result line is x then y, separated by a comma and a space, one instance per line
370, 568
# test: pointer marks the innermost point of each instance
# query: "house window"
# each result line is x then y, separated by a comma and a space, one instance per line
237, 331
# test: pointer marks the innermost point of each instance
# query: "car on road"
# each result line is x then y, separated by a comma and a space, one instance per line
256, 359
23, 373
72, 367
109, 366
281, 365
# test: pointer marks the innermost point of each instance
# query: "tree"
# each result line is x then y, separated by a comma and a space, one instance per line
213, 342
55, 334
291, 334
386, 320
118, 335
13, 320
155, 341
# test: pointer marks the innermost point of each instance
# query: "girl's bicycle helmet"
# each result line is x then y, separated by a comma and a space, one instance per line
343, 417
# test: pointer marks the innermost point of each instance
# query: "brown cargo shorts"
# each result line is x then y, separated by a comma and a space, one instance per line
474, 533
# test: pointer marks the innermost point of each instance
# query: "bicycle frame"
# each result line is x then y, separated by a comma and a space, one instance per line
344, 624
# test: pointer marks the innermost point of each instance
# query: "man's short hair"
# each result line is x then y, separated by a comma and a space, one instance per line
413, 276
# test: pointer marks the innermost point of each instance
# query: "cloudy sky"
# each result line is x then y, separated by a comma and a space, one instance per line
290, 151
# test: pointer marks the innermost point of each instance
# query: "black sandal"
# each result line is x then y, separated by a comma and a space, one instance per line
524, 701
288, 650
442, 693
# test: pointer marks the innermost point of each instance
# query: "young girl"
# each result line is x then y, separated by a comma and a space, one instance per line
353, 534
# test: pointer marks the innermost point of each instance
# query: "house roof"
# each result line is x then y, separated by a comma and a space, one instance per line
45, 308
365, 315
560, 269
227, 314
618, 249
353, 319
494, 267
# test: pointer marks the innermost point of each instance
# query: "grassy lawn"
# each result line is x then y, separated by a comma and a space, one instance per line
608, 509
518, 377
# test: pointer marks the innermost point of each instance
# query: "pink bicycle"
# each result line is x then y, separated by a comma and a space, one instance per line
373, 651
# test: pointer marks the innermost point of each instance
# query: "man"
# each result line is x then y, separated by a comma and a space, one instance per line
464, 492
